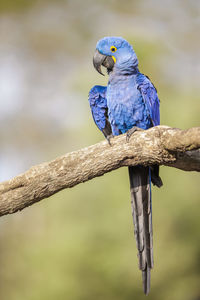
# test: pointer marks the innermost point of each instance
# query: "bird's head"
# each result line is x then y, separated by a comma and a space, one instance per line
115, 53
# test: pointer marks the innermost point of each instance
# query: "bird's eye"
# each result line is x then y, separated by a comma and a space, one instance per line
113, 48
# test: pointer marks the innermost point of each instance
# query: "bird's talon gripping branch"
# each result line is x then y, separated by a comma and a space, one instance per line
109, 137
131, 131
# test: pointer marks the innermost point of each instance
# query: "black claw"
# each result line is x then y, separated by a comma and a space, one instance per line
109, 137
131, 131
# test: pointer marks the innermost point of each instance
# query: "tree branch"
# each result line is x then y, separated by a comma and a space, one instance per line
160, 145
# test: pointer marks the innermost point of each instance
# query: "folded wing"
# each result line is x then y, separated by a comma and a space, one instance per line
150, 98
98, 105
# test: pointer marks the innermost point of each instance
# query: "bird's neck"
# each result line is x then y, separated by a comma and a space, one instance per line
120, 74
126, 65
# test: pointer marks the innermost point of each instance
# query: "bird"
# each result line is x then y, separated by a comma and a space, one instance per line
127, 104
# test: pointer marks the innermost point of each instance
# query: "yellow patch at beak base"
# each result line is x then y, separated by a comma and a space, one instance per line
114, 59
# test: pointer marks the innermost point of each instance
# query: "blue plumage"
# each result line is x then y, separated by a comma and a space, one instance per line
126, 107
130, 100
137, 104
150, 98
98, 104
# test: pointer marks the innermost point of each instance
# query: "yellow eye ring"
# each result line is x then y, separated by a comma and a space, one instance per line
113, 48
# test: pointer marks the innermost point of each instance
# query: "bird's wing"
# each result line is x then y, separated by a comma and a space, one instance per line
152, 103
150, 98
98, 105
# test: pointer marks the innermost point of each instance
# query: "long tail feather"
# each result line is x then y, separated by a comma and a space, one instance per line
140, 182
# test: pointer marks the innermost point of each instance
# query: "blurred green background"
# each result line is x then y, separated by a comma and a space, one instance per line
79, 244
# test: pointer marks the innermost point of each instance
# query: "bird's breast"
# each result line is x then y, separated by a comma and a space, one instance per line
126, 106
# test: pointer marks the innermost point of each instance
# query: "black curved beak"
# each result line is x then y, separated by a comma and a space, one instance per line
102, 60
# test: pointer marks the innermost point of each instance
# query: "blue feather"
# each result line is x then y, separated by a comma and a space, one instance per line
98, 105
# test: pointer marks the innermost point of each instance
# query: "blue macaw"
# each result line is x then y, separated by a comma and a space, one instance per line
129, 103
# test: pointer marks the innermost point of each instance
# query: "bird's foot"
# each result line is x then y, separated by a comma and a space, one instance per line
131, 131
109, 137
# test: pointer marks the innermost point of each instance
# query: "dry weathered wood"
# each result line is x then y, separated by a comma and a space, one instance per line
159, 145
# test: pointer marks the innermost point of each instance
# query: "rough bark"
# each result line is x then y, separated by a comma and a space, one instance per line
159, 145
